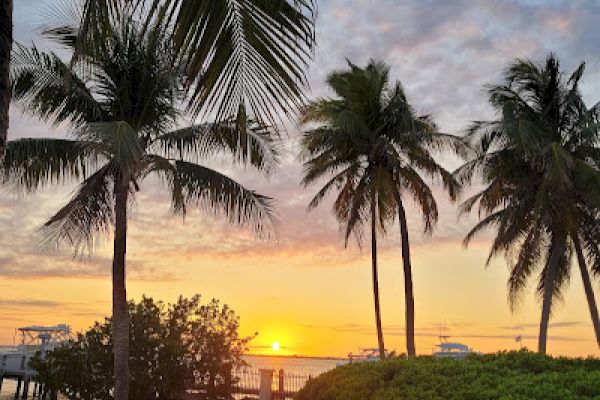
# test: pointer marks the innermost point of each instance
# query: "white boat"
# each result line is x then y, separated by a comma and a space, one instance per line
368, 354
452, 349
14, 361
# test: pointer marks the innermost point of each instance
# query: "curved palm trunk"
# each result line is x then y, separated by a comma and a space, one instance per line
409, 300
549, 281
6, 40
588, 288
120, 317
376, 279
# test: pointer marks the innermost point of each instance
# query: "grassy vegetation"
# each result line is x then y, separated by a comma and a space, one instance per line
504, 376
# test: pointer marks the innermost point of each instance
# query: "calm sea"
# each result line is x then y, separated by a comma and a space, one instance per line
294, 365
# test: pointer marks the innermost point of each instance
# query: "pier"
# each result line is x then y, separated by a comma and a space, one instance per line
14, 362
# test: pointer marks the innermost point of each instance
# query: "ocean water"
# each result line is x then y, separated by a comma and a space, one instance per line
300, 366
294, 365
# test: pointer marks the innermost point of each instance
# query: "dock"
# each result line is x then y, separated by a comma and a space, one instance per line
14, 362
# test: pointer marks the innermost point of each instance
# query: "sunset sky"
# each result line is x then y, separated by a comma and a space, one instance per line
302, 288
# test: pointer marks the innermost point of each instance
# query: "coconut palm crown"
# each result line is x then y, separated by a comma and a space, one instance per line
539, 160
242, 57
373, 148
120, 107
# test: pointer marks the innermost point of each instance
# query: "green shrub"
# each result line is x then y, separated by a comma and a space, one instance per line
504, 376
186, 345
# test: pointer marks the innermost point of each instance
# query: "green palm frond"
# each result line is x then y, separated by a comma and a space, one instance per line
32, 163
87, 215
121, 107
50, 90
531, 256
590, 238
244, 54
215, 193
349, 174
421, 194
368, 141
119, 141
562, 274
422, 160
442, 142
538, 163
352, 206
256, 146
97, 22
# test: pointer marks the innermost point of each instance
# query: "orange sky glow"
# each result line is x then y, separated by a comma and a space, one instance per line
300, 287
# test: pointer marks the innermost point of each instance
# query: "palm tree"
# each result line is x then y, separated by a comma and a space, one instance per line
540, 163
372, 142
241, 56
6, 41
121, 107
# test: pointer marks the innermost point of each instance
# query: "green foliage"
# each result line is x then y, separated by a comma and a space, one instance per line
239, 55
504, 376
373, 148
540, 164
182, 345
121, 105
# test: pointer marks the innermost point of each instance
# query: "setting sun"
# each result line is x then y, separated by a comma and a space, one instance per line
275, 346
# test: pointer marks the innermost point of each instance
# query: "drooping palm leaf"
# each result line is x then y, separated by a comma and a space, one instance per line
193, 184
87, 215
256, 146
50, 90
32, 163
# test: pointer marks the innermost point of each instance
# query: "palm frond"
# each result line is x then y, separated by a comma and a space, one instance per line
337, 181
49, 89
88, 214
421, 194
352, 205
32, 163
193, 184
119, 140
255, 146
244, 54
531, 256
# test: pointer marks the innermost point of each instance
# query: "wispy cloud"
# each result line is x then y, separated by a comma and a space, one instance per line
443, 51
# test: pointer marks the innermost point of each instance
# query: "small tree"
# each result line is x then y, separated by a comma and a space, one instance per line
185, 345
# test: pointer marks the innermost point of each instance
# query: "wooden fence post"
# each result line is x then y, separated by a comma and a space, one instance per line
18, 391
265, 391
25, 389
281, 385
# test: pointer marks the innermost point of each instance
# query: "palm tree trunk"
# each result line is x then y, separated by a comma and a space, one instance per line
588, 288
6, 40
549, 281
376, 279
120, 316
409, 300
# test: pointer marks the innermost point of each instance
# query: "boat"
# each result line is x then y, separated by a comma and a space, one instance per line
366, 354
14, 361
452, 349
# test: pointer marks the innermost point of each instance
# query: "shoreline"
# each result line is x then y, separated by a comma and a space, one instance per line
331, 358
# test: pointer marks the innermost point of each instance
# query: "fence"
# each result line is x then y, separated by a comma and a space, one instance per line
267, 384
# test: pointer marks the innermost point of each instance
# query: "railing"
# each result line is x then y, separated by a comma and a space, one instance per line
267, 384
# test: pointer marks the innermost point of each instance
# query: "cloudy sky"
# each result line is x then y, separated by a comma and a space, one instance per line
303, 288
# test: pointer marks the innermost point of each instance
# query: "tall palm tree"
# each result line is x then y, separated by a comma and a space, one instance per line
540, 163
241, 56
121, 107
372, 142
6, 41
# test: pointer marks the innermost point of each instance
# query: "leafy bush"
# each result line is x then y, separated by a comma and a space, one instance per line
504, 376
181, 346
